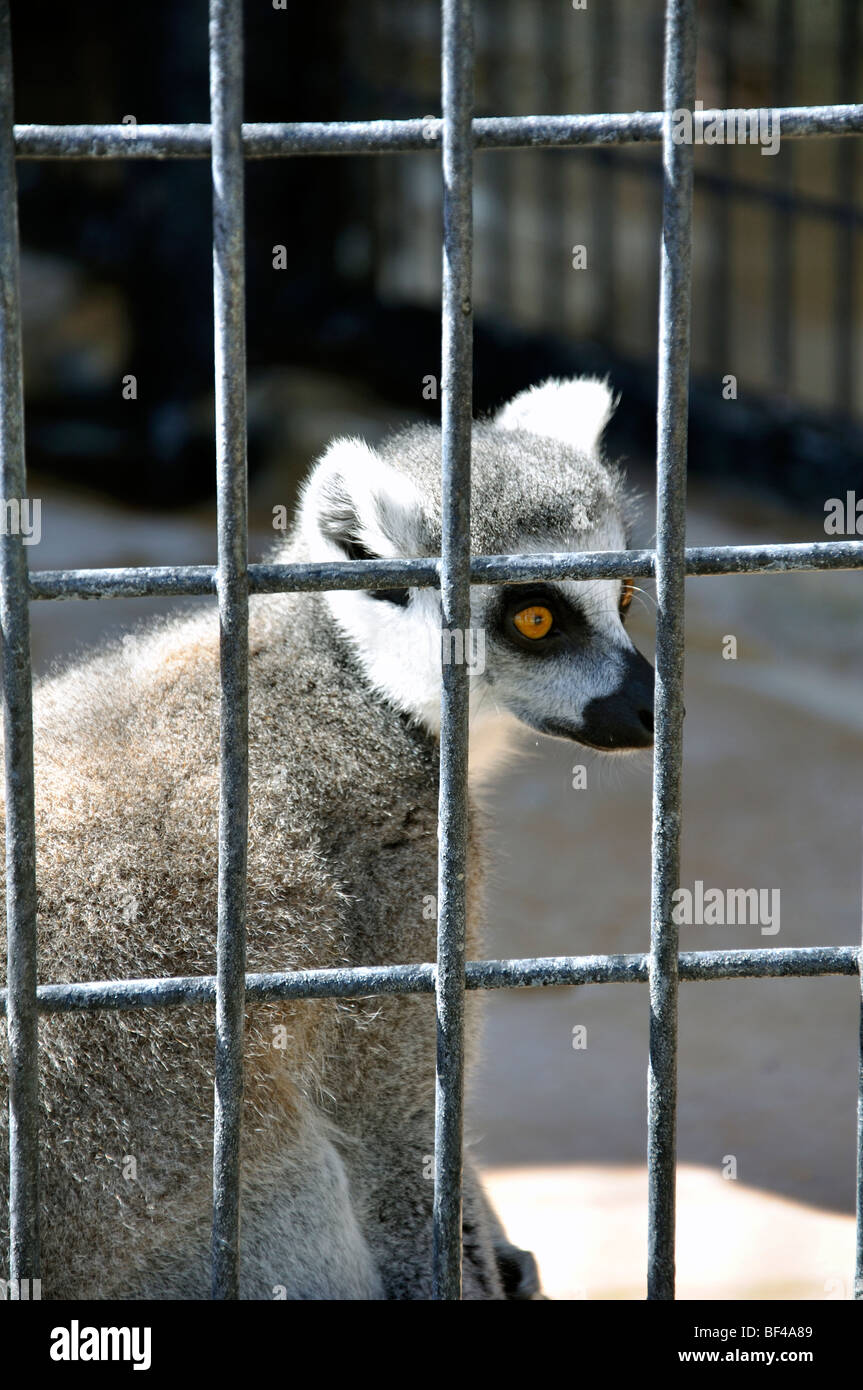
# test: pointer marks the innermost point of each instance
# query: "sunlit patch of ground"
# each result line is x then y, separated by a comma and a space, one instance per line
587, 1227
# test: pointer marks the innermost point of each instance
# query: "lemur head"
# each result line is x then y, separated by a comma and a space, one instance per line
554, 655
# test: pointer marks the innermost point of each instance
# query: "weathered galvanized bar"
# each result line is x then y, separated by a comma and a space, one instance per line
22, 1017
456, 424
360, 982
226, 104
786, 962
173, 581
274, 140
673, 397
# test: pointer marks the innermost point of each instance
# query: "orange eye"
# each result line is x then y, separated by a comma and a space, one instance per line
626, 595
534, 621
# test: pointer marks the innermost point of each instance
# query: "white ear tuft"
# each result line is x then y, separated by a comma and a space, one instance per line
353, 503
575, 411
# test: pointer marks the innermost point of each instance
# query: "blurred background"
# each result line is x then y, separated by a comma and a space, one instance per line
342, 330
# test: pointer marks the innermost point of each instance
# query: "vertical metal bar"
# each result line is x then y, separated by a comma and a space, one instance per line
784, 226
226, 104
556, 41
674, 328
456, 403
602, 254
845, 356
22, 1017
499, 173
721, 229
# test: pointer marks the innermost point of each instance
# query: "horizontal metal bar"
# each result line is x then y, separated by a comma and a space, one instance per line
785, 962
147, 581
272, 140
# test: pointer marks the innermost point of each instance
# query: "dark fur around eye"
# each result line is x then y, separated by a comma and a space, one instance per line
569, 625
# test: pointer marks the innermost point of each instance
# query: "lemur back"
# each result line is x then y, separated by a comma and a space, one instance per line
343, 749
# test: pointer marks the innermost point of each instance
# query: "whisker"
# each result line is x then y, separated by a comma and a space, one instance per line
646, 598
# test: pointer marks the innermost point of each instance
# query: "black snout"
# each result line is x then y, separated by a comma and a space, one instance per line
623, 719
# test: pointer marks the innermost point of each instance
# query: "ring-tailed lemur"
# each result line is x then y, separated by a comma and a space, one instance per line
343, 723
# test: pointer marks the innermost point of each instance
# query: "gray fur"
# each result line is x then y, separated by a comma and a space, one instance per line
342, 856
521, 485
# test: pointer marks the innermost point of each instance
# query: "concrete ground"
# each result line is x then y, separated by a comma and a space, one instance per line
587, 1226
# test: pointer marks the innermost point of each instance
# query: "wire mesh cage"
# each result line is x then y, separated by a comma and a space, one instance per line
227, 142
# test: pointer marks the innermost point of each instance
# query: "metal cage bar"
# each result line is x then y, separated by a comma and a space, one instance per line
226, 99
227, 141
673, 397
22, 1016
456, 415
176, 580
845, 278
271, 140
782, 239
366, 981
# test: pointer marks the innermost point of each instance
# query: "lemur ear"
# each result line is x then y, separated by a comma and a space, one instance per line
574, 411
355, 506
